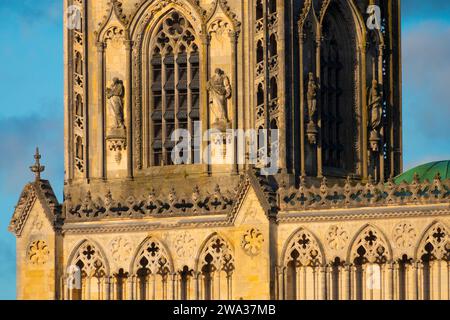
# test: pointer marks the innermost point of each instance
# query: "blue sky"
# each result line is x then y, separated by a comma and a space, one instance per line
31, 91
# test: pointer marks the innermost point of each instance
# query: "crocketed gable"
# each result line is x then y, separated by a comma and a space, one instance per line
41, 191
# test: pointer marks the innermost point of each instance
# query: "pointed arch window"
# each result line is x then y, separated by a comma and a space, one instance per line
303, 258
434, 254
175, 86
153, 269
337, 93
370, 255
216, 268
93, 271
79, 153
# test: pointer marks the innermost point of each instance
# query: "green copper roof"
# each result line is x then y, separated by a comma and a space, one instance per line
426, 172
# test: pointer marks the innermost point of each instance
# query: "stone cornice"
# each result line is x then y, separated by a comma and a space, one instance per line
145, 225
365, 213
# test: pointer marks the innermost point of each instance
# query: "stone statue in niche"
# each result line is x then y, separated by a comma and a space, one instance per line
115, 96
116, 138
311, 96
375, 116
220, 89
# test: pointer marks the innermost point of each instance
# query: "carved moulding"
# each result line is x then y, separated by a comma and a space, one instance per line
117, 142
226, 9
114, 9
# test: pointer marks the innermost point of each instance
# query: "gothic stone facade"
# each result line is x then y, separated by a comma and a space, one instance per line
330, 225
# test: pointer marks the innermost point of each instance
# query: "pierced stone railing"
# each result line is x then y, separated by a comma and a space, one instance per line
152, 205
363, 195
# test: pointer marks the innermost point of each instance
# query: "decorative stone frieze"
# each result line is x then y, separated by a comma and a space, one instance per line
309, 197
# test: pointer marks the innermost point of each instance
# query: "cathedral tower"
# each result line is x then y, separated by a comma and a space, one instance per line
322, 77
314, 70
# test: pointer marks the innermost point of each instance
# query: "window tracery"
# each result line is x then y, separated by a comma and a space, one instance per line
153, 268
302, 260
370, 252
436, 245
93, 271
217, 266
434, 254
175, 86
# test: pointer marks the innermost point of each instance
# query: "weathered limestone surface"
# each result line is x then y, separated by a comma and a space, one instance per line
330, 225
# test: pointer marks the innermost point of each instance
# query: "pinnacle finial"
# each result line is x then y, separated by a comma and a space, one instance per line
37, 169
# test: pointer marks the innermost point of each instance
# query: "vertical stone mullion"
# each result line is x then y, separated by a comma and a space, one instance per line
285, 286
354, 285
190, 124
176, 81
420, 293
234, 75
129, 107
383, 267
299, 286
163, 108
230, 286
329, 288
101, 110
323, 282
364, 282
390, 283
302, 104
319, 110
305, 282
383, 133
346, 291
217, 284
439, 279
171, 279
415, 281
201, 287
364, 111
204, 106
432, 280
396, 282
280, 283
196, 295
